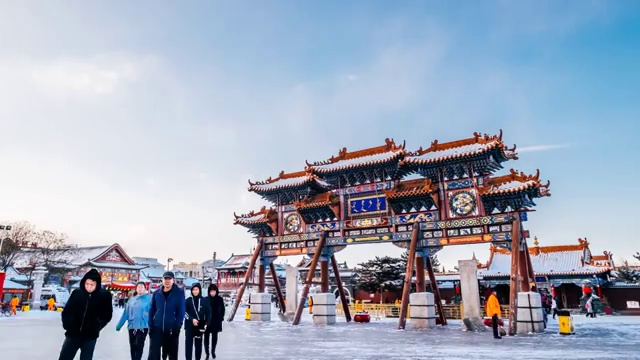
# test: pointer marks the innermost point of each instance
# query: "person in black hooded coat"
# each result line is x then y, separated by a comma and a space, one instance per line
195, 322
87, 311
214, 323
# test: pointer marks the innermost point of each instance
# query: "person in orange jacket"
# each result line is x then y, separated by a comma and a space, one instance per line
494, 311
51, 304
14, 305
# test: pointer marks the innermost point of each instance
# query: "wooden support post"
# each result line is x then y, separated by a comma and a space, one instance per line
436, 292
247, 276
343, 297
276, 284
307, 283
324, 276
402, 321
532, 275
261, 277
420, 283
513, 281
523, 271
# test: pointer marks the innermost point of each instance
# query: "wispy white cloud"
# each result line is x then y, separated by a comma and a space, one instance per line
537, 148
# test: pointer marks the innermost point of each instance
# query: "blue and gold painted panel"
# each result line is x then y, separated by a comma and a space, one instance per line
367, 205
411, 218
459, 184
328, 226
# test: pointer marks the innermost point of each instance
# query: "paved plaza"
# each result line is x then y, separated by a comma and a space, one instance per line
39, 334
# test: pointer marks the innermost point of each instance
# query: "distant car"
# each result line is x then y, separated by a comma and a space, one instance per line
61, 296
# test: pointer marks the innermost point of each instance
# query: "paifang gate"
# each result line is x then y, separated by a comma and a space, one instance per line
453, 197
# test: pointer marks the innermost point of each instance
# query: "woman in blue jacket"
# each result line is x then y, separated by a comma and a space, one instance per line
136, 313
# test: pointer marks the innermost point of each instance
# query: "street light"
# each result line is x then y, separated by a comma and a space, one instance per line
4, 230
169, 260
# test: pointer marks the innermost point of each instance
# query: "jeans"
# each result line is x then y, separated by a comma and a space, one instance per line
71, 345
136, 342
214, 342
193, 337
165, 342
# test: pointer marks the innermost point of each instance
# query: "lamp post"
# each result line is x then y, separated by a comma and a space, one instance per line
4, 230
169, 260
213, 270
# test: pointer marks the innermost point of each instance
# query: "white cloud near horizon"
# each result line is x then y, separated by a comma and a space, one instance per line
536, 148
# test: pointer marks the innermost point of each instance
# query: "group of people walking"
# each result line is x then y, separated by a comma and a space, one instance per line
160, 316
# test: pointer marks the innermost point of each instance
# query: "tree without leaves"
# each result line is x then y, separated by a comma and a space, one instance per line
382, 273
21, 234
40, 248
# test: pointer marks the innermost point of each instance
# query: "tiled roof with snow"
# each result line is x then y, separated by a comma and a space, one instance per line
367, 157
152, 273
236, 261
476, 145
544, 263
8, 284
290, 182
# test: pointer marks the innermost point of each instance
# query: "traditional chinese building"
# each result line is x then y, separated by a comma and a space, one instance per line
231, 273
563, 268
119, 272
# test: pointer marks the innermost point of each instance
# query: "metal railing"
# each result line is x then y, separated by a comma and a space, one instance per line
393, 311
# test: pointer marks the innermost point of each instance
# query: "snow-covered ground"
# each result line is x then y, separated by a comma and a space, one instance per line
39, 335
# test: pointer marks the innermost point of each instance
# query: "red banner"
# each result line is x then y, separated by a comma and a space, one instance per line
2, 276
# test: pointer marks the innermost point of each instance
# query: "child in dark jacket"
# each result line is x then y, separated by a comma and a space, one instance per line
195, 322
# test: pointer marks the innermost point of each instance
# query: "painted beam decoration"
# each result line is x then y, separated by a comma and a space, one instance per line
455, 194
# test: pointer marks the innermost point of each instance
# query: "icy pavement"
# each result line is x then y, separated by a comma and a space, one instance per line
39, 334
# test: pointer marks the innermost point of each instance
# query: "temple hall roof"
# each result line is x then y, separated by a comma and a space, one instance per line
476, 145
515, 182
547, 260
368, 157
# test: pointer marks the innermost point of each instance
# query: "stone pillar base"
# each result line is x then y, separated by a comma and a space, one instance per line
530, 316
324, 309
423, 310
473, 324
260, 307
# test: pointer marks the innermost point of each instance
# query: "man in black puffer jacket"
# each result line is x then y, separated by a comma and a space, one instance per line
87, 311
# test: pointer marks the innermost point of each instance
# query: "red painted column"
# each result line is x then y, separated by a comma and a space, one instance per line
2, 277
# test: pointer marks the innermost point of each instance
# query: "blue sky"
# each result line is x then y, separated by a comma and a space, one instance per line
140, 124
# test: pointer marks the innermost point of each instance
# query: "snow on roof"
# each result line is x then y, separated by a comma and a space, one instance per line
476, 145
152, 272
147, 261
13, 274
544, 262
8, 284
236, 261
363, 160
367, 157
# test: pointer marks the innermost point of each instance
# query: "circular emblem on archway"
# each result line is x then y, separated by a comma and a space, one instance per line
292, 223
462, 203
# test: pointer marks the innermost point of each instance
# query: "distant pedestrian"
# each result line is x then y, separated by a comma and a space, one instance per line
214, 324
87, 311
554, 307
589, 307
165, 318
195, 322
494, 311
136, 315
